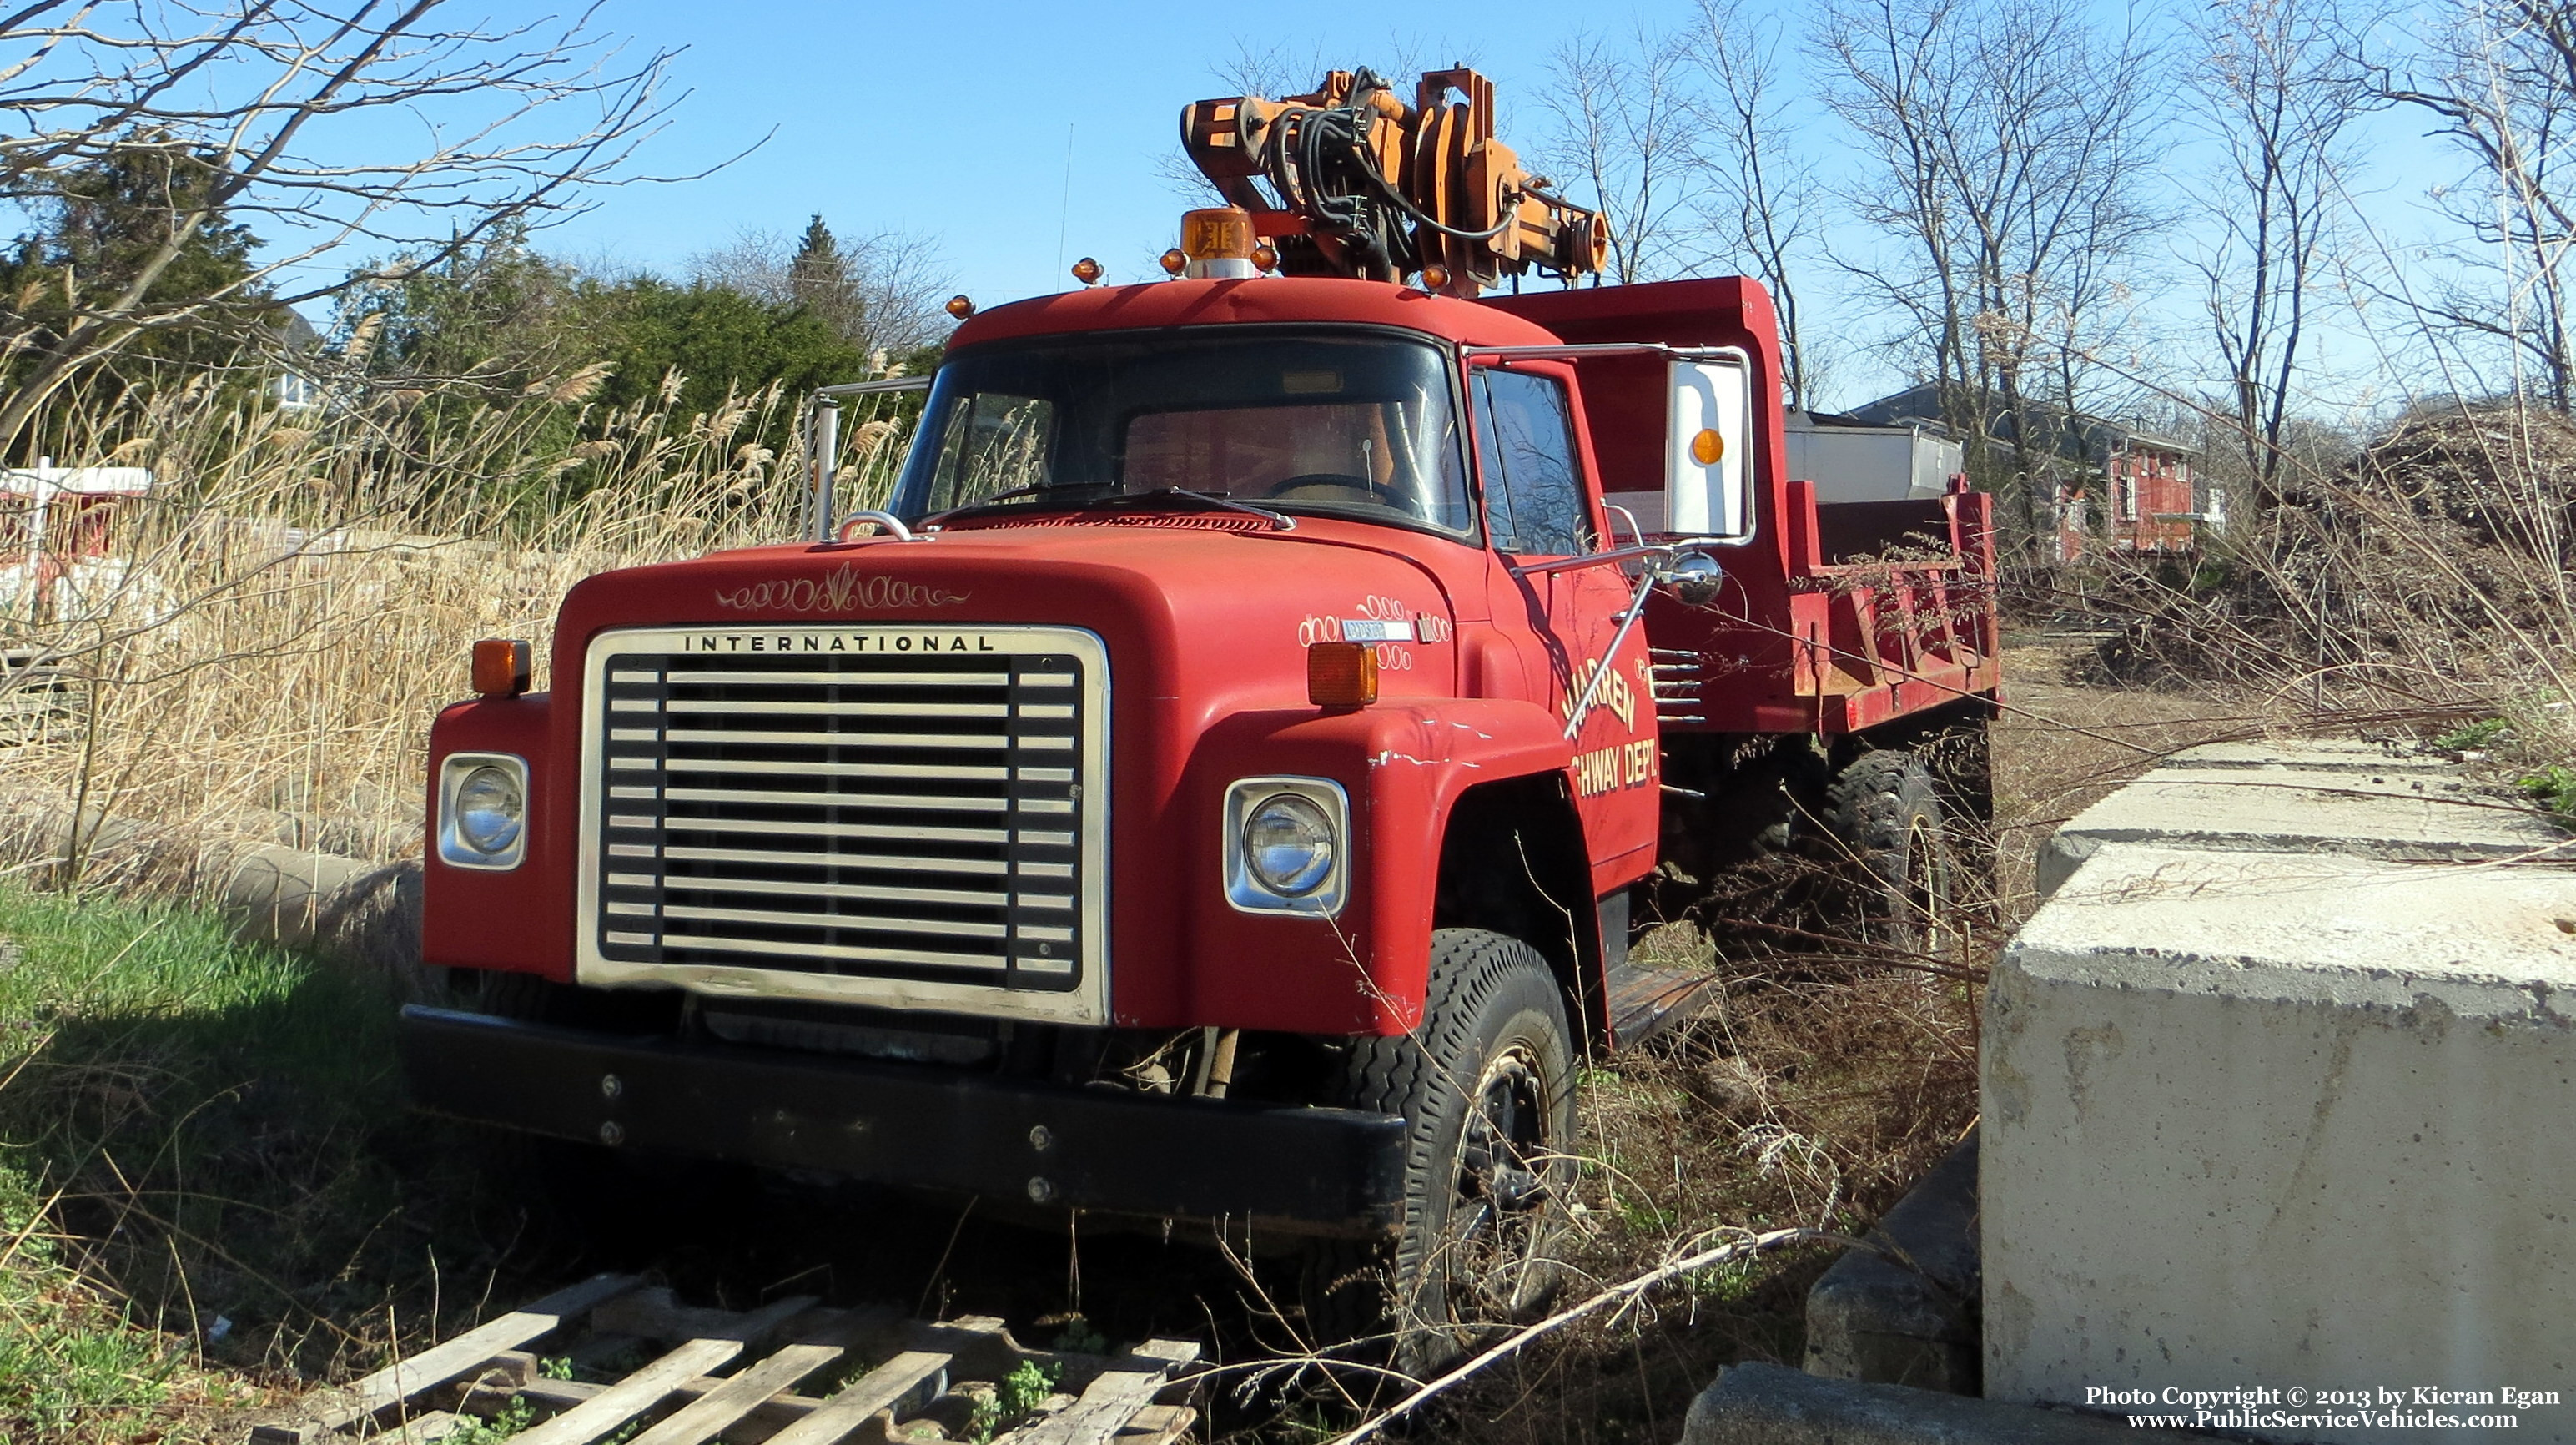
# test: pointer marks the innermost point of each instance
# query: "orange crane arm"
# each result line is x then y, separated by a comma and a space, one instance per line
1351, 181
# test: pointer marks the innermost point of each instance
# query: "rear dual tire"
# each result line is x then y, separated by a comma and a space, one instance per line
1901, 875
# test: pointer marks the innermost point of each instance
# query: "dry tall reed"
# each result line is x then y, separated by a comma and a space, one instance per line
263, 640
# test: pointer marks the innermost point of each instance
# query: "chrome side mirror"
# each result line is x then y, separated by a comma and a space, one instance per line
1695, 578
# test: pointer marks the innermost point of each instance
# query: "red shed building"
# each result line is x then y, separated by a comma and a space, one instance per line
2120, 488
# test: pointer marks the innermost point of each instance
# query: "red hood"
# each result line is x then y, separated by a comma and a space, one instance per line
1196, 611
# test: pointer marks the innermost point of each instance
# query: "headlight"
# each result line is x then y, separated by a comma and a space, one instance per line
1289, 845
482, 810
489, 804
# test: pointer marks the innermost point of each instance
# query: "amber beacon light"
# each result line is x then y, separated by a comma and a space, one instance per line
1341, 674
1216, 243
501, 667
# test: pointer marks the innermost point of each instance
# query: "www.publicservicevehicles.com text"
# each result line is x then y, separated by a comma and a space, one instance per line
2372, 1407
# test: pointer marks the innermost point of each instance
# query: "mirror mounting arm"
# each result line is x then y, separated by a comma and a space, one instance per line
1595, 559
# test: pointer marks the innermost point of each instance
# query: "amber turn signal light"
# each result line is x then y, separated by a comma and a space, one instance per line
501, 667
1087, 271
1341, 674
1174, 262
1434, 277
1265, 257
960, 307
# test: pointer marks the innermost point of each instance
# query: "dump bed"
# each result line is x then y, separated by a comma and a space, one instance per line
1833, 617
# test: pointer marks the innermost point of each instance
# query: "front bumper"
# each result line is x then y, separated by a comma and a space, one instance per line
1337, 1171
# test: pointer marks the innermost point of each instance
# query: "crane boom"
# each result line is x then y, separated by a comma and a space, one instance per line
1351, 181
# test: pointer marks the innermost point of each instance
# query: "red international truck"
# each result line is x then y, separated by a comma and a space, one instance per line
1223, 781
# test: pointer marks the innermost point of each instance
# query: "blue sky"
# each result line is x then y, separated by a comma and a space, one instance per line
952, 120
1013, 137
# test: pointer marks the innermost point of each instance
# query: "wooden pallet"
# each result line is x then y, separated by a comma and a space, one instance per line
721, 1375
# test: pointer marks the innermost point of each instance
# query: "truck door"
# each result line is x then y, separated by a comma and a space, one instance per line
1538, 507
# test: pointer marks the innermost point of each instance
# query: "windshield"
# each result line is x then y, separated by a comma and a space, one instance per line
1361, 426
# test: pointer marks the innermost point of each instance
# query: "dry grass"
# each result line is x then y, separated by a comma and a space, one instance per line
191, 1131
2428, 581
2064, 744
1792, 1102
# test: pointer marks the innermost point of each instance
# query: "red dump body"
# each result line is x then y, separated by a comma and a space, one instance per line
1837, 618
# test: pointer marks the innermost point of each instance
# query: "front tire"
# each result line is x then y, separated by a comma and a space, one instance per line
1486, 1085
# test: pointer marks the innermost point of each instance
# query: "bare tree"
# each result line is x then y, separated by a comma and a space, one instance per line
265, 107
1760, 202
2280, 94
2013, 155
1622, 125
883, 292
2500, 80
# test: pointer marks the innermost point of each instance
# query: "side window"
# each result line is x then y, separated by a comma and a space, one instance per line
1534, 503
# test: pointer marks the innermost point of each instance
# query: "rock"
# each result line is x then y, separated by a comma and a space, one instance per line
1760, 1404
1905, 1312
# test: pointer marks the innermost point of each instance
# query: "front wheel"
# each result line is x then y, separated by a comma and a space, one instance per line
1486, 1085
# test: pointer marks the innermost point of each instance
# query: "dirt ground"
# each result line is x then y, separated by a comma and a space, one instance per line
2063, 745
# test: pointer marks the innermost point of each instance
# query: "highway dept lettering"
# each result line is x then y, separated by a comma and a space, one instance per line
836, 642
1610, 769
1614, 697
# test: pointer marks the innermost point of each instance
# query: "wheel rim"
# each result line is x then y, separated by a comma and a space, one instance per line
1929, 925
1498, 1212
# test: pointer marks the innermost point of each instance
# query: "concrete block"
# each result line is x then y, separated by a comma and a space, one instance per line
1759, 1404
2225, 801
2284, 1120
365, 912
1907, 1315
2311, 754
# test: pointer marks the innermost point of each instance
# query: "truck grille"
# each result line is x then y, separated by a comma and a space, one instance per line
900, 816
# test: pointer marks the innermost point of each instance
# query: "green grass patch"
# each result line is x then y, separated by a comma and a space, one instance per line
2554, 788
2473, 737
203, 1162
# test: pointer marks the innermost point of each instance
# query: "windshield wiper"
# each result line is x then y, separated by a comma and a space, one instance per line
1031, 490
1279, 521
